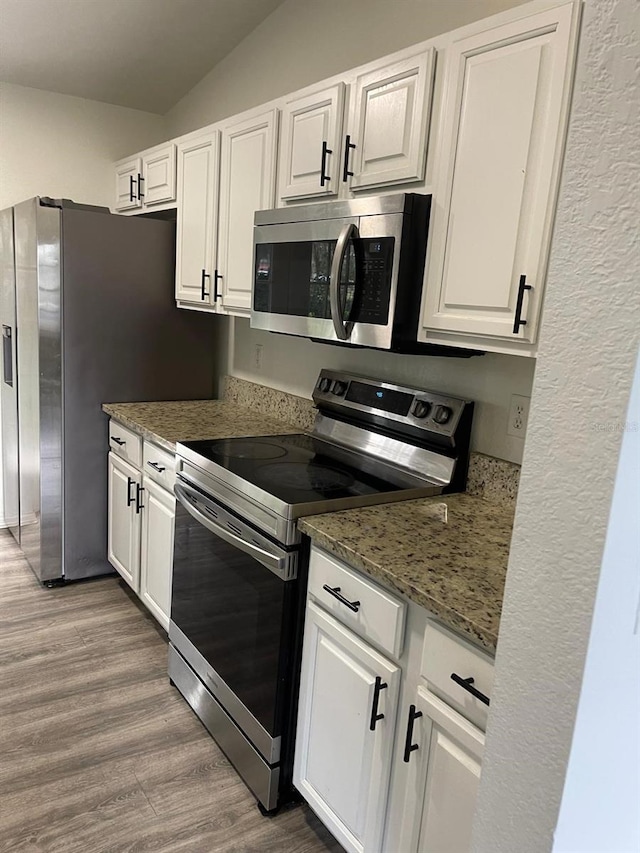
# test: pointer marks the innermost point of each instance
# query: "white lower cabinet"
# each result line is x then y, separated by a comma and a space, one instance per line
156, 552
346, 722
409, 784
124, 521
141, 515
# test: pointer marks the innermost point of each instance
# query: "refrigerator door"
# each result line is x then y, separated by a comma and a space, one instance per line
39, 358
9, 378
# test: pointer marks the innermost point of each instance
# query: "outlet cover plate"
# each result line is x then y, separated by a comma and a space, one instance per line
518, 416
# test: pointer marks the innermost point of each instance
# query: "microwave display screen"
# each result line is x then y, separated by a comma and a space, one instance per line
384, 399
293, 278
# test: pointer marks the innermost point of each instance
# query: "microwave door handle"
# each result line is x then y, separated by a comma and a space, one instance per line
349, 232
278, 565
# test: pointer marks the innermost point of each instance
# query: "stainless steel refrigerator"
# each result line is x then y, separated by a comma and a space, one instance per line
88, 316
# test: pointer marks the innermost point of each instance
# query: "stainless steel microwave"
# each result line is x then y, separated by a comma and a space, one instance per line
347, 272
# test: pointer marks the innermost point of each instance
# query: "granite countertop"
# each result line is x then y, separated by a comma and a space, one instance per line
166, 423
448, 554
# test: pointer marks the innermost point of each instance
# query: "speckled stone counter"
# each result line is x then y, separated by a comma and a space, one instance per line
448, 554
190, 420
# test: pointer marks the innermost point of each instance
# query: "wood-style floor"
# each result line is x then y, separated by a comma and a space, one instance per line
98, 753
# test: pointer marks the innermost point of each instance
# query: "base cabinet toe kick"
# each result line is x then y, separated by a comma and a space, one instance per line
389, 745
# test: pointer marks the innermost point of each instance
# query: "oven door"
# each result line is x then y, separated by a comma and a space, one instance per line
233, 609
333, 280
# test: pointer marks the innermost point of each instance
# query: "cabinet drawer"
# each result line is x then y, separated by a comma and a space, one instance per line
159, 464
379, 617
125, 443
445, 654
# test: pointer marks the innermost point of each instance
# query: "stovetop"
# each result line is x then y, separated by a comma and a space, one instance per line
295, 469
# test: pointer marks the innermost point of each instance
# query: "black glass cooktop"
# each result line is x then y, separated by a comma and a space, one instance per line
294, 468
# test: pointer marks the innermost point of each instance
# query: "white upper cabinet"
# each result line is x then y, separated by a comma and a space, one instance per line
387, 140
247, 184
506, 93
127, 174
310, 144
158, 184
147, 180
198, 187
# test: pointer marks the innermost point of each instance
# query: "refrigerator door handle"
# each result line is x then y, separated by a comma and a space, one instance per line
7, 355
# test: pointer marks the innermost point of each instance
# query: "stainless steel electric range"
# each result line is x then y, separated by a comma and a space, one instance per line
240, 564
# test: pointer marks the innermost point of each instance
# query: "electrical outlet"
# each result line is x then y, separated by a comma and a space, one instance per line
518, 415
257, 356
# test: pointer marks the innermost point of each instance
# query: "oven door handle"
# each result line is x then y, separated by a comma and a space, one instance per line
280, 566
342, 327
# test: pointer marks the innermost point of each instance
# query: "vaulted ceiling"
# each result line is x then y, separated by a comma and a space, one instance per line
144, 54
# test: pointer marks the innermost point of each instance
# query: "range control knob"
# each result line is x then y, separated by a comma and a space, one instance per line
442, 414
339, 388
421, 409
324, 385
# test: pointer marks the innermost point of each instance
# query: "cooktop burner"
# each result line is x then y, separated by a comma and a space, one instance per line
296, 469
245, 448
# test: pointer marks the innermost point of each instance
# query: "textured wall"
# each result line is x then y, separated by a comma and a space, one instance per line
587, 353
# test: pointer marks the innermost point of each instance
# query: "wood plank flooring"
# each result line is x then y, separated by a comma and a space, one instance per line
98, 753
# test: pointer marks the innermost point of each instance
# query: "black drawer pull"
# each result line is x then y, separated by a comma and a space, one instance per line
348, 145
130, 498
140, 180
335, 592
132, 181
117, 440
466, 684
216, 295
518, 321
157, 467
324, 178
375, 716
139, 491
410, 747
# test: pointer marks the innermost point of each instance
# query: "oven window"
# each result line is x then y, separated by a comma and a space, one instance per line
236, 613
293, 279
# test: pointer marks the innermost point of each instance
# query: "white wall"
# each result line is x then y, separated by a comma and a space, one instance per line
62, 146
601, 801
302, 42
588, 350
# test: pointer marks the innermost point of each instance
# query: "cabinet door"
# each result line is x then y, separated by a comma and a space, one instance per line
342, 767
442, 777
198, 168
310, 142
247, 184
128, 173
124, 521
392, 106
159, 175
497, 173
156, 553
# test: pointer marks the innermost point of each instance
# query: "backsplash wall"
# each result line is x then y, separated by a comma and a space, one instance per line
293, 364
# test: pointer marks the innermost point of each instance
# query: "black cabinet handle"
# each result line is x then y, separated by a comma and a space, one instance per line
335, 592
203, 292
132, 196
140, 180
216, 276
324, 178
130, 498
139, 491
118, 441
410, 747
466, 683
348, 145
375, 716
156, 466
518, 321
